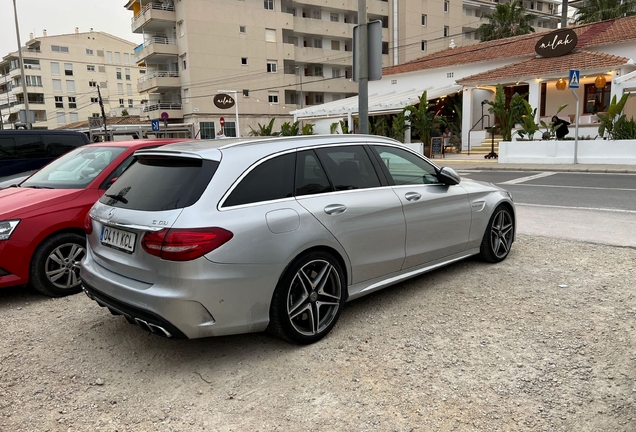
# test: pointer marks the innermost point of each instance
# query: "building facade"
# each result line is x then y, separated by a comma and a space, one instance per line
276, 56
63, 73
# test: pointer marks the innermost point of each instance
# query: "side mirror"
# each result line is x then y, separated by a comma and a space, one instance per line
113, 180
448, 176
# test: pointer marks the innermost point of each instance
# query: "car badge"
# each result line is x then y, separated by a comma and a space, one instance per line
111, 213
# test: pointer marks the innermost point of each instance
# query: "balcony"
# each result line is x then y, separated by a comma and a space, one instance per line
154, 81
303, 55
155, 110
323, 27
160, 49
154, 17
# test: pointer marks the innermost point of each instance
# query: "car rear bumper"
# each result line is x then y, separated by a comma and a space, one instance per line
215, 300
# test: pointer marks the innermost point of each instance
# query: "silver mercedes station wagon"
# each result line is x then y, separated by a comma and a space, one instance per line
209, 238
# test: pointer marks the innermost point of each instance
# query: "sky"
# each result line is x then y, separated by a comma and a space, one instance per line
61, 17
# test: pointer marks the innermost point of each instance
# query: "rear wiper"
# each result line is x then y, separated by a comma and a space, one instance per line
35, 187
117, 198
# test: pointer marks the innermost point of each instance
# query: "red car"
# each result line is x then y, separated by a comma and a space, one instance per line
42, 239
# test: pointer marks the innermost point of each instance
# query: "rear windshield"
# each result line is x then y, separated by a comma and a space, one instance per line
155, 183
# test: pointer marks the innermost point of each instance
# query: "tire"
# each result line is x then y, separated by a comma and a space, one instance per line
55, 265
308, 299
499, 235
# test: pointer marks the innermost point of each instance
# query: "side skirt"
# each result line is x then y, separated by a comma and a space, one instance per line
367, 287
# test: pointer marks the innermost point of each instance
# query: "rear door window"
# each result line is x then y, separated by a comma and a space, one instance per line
269, 180
348, 167
155, 183
310, 176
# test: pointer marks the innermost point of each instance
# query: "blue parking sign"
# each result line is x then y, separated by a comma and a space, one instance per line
155, 125
575, 78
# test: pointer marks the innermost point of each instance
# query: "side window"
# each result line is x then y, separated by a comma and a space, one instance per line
57, 145
310, 176
270, 180
348, 167
117, 172
405, 167
7, 148
29, 146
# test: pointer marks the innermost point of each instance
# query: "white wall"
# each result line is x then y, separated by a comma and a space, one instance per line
562, 152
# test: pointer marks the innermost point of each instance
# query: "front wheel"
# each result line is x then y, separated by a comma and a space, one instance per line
495, 246
308, 299
55, 265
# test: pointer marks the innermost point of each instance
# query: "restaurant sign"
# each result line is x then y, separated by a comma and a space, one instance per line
223, 101
557, 43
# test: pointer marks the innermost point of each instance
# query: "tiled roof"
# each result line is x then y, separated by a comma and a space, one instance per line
606, 32
542, 67
128, 120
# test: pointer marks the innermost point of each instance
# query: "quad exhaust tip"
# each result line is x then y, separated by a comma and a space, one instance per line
149, 327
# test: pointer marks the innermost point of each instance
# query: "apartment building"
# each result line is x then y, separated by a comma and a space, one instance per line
62, 75
276, 56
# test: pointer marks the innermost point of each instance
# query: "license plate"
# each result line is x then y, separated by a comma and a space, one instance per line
118, 239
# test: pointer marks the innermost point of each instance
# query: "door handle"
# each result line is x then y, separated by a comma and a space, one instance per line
412, 196
335, 209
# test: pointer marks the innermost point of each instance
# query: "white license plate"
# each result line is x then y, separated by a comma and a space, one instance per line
118, 239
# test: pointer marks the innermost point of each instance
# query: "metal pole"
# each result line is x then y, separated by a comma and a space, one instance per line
238, 129
564, 14
302, 96
363, 82
24, 86
101, 105
576, 127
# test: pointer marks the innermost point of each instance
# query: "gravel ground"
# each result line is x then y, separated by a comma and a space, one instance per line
544, 341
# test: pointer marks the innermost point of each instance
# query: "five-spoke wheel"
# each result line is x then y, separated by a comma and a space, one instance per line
499, 235
308, 298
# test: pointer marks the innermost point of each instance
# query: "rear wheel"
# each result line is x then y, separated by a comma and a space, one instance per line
55, 266
495, 246
308, 299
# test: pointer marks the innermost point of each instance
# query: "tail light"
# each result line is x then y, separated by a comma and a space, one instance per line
179, 244
88, 224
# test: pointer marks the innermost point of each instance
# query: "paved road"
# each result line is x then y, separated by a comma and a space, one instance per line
581, 206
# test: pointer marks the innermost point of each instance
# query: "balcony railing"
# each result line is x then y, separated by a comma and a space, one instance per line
160, 40
162, 106
153, 5
158, 74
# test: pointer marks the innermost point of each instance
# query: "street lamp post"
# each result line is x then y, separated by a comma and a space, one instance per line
300, 74
24, 86
238, 129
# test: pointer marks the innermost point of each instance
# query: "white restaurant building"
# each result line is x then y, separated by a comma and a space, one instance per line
605, 49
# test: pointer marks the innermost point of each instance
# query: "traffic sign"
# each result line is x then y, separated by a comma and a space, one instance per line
575, 78
155, 125
164, 116
222, 121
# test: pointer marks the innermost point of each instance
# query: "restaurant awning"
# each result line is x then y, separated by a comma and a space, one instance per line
379, 103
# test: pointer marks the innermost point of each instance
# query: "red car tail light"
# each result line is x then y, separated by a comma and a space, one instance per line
88, 224
179, 244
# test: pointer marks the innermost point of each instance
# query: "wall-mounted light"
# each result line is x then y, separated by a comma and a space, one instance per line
600, 81
560, 84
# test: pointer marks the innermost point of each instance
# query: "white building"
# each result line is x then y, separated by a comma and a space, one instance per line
62, 76
605, 48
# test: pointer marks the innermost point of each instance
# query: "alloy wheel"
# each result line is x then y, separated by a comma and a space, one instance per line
313, 299
501, 233
62, 265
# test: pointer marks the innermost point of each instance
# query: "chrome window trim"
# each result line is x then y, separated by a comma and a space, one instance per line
302, 197
220, 206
